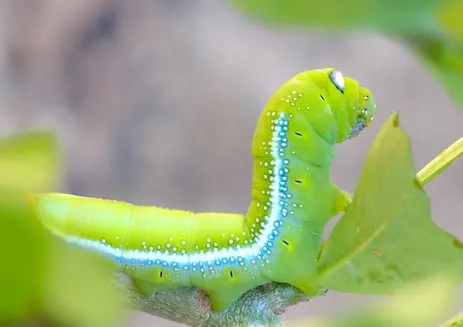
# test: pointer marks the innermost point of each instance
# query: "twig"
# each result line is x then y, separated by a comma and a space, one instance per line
441, 162
263, 306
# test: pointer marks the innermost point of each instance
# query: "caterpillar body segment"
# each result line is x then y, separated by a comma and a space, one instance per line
225, 254
158, 248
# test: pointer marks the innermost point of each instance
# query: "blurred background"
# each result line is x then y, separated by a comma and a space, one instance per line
156, 102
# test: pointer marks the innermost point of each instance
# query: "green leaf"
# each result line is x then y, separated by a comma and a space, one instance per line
422, 305
442, 52
21, 250
391, 15
387, 239
39, 275
432, 29
78, 289
29, 162
448, 14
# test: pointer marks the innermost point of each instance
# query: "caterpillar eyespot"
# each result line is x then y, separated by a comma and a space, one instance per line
223, 254
337, 79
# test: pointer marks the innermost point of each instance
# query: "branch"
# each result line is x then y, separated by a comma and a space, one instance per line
262, 306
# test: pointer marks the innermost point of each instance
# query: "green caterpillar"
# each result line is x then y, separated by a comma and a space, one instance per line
227, 254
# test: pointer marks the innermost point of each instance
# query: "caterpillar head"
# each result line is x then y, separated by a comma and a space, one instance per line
364, 111
351, 104
359, 101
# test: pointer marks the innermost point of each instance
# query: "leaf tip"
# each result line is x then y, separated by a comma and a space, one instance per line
395, 119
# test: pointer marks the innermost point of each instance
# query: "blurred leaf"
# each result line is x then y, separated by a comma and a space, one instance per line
29, 162
71, 286
78, 290
387, 239
448, 13
391, 15
442, 53
433, 29
422, 305
21, 250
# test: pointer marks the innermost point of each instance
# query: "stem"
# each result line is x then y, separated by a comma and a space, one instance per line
454, 321
440, 162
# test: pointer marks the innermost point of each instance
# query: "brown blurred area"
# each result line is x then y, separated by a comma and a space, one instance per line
156, 102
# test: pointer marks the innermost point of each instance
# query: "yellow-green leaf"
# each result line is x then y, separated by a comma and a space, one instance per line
21, 250
78, 289
29, 162
448, 14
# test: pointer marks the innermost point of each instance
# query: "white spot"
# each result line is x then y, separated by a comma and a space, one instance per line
337, 79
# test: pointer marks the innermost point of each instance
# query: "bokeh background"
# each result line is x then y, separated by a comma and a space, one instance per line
156, 102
